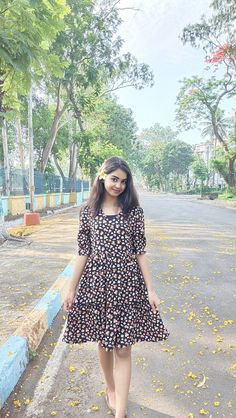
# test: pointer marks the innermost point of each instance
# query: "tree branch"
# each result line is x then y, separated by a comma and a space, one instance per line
118, 87
58, 167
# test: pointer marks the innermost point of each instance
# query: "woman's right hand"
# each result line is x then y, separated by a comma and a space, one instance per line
69, 299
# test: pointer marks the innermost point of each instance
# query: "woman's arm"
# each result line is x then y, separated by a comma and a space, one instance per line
152, 296
80, 264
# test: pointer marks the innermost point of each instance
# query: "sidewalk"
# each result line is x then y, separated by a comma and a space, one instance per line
27, 272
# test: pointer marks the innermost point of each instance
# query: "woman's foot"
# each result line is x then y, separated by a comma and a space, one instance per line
110, 399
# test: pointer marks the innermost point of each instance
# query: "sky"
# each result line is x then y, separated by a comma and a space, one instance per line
152, 35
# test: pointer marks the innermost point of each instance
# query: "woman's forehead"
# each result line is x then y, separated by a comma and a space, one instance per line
119, 173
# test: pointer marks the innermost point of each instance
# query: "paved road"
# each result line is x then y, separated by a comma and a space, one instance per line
191, 248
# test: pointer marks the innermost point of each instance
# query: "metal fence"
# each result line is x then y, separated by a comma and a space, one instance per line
44, 183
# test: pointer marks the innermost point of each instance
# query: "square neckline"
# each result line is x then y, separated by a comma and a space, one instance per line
111, 216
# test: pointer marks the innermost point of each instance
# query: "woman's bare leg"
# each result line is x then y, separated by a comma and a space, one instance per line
122, 379
107, 364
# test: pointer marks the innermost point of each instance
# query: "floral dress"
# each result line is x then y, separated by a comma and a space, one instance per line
111, 306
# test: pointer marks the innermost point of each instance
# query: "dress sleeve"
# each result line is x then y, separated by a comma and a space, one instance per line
83, 239
139, 239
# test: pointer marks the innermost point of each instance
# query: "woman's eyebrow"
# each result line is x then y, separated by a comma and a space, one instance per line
118, 177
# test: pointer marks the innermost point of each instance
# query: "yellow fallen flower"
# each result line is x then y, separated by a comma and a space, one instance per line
72, 369
192, 375
95, 408
75, 403
101, 393
219, 339
202, 411
17, 403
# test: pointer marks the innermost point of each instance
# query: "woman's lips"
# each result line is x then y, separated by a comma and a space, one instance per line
116, 191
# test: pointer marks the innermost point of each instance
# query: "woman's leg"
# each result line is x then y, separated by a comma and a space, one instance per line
106, 361
122, 379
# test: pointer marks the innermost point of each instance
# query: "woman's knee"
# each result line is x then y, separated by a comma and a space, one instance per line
124, 352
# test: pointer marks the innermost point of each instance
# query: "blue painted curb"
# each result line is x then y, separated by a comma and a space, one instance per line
14, 354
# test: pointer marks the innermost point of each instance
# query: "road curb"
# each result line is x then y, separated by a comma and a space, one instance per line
15, 353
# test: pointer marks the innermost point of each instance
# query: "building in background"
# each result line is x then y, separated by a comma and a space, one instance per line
206, 151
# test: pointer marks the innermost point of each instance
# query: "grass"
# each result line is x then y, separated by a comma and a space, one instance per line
228, 196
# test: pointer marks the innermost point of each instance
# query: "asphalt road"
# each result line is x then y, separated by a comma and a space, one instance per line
192, 254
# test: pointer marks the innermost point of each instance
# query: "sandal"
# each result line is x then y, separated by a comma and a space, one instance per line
113, 411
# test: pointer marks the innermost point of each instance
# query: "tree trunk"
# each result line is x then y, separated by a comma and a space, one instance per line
6, 159
73, 159
59, 168
20, 143
50, 143
53, 133
71, 149
231, 174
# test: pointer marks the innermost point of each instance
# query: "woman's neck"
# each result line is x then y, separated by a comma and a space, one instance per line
111, 203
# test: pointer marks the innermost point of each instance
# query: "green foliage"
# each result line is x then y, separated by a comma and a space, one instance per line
199, 168
92, 53
152, 165
99, 151
164, 163
157, 133
110, 129
217, 30
115, 123
74, 54
177, 157
26, 29
199, 99
220, 165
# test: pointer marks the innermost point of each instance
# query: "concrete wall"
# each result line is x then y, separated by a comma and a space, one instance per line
16, 205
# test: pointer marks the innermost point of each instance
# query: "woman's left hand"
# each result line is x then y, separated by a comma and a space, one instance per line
154, 301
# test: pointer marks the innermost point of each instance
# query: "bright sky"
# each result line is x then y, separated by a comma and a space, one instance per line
152, 35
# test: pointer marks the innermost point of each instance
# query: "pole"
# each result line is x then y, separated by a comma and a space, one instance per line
6, 159
31, 151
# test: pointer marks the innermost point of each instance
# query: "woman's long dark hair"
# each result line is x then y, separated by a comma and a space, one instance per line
127, 199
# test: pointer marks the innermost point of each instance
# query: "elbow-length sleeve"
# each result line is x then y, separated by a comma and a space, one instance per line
84, 239
139, 239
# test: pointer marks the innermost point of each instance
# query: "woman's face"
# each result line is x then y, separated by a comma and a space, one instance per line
115, 182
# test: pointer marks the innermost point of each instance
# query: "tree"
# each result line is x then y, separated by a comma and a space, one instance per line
177, 157
114, 123
200, 99
200, 170
93, 64
157, 133
151, 163
26, 29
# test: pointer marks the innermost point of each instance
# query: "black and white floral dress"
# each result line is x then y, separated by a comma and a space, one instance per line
111, 305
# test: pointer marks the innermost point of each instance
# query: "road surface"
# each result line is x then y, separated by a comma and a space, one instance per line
192, 254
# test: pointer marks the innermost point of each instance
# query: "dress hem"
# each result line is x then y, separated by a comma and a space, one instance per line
118, 345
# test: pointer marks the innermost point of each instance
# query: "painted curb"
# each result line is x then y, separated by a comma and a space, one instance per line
15, 353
